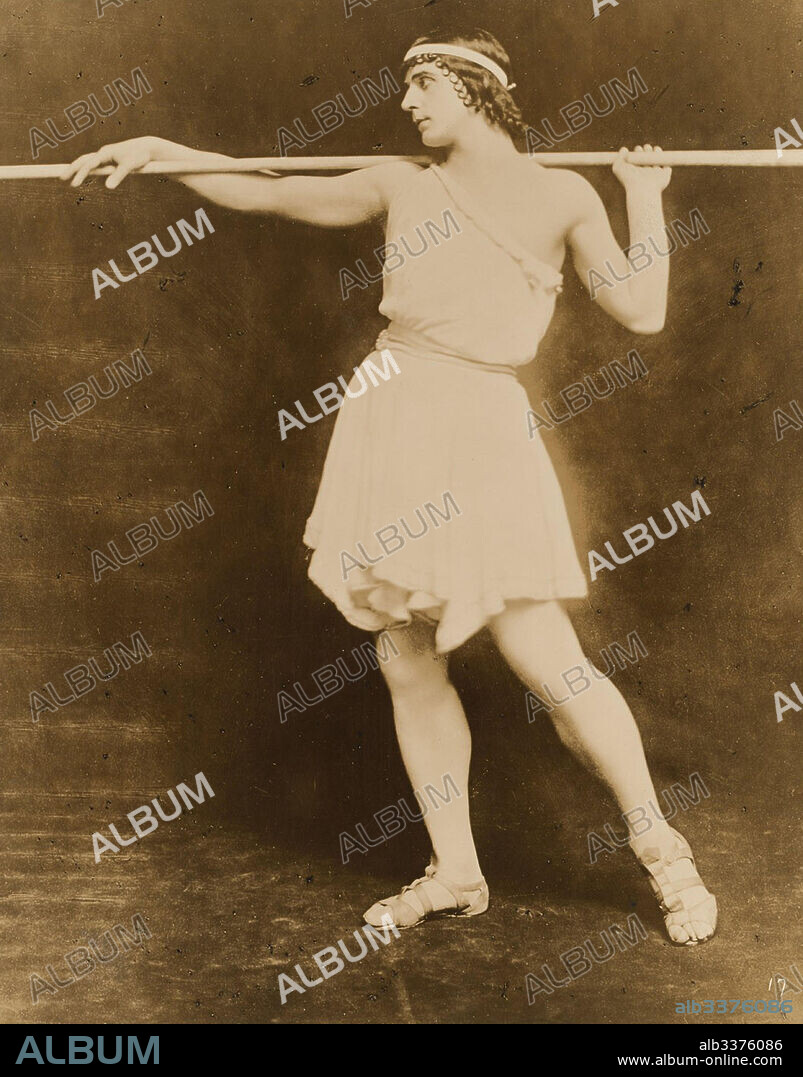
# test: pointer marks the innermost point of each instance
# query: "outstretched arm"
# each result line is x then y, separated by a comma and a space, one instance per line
638, 302
331, 202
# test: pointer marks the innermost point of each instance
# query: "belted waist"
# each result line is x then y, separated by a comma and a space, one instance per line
417, 345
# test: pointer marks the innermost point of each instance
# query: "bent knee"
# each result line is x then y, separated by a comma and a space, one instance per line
527, 622
416, 674
544, 614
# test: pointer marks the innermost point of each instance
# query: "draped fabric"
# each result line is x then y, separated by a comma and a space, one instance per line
434, 499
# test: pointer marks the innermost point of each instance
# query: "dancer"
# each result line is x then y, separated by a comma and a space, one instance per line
465, 311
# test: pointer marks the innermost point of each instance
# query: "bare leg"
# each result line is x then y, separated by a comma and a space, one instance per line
435, 741
539, 643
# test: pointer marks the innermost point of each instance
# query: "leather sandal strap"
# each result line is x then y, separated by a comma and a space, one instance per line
667, 898
397, 900
660, 875
682, 851
686, 884
688, 911
459, 891
421, 895
670, 891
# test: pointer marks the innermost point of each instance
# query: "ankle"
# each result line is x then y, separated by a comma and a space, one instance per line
459, 871
660, 836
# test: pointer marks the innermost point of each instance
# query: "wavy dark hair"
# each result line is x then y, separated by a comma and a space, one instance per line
477, 88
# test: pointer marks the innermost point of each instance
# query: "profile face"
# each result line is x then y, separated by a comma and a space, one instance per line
434, 106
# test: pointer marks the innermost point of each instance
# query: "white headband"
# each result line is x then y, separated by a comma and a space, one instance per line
475, 57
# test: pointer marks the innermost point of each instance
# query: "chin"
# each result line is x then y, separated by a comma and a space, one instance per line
435, 140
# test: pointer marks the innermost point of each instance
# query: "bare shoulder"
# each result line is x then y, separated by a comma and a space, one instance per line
571, 191
388, 179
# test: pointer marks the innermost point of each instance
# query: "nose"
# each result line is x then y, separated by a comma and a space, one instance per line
410, 99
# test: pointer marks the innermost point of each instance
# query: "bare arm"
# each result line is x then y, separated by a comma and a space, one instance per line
331, 202
639, 301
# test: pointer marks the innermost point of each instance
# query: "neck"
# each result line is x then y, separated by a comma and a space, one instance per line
481, 148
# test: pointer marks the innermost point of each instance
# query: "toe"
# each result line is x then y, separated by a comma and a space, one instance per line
691, 934
373, 916
702, 930
678, 934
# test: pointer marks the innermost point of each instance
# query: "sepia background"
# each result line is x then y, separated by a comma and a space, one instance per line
248, 321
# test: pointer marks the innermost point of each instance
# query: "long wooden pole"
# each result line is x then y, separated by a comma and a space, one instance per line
672, 158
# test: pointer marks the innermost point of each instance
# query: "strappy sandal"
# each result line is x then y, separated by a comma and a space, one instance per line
697, 922
469, 900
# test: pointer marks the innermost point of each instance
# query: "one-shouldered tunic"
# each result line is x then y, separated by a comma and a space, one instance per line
435, 501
